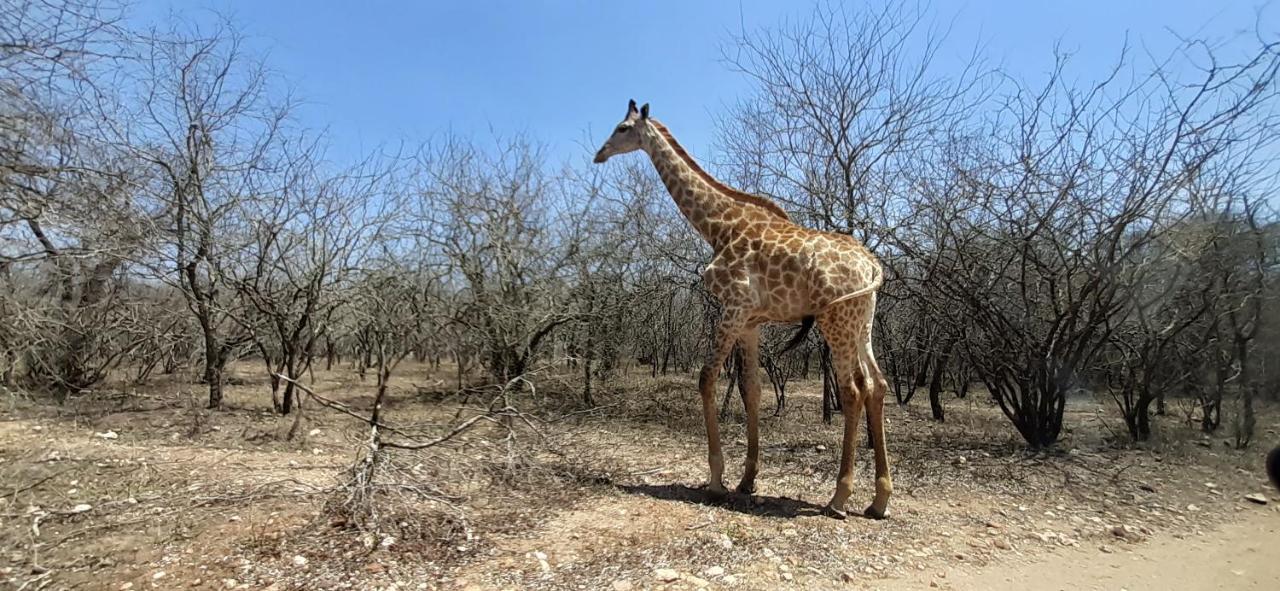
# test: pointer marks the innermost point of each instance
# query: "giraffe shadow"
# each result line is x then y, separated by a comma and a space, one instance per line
757, 505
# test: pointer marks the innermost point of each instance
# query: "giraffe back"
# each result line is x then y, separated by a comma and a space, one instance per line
797, 272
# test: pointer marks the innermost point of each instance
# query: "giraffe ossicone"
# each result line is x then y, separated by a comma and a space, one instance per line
766, 268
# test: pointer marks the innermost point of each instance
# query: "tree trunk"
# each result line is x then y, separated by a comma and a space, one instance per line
214, 359
935, 383
10, 361
1034, 408
586, 373
1138, 418
1144, 419
213, 366
291, 369
830, 387
935, 397
733, 376
922, 374
1245, 419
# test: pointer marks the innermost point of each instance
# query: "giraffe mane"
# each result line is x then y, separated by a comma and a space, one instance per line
739, 196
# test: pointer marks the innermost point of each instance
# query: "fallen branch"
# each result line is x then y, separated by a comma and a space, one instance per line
585, 411
491, 415
18, 491
335, 405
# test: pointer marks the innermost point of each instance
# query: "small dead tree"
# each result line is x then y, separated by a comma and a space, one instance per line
209, 129
491, 217
306, 246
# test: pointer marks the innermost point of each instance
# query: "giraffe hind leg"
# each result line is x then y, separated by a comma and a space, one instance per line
875, 386
841, 335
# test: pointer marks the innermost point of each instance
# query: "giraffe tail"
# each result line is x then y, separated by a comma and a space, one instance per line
806, 324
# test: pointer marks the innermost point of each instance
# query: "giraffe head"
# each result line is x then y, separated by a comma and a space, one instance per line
626, 136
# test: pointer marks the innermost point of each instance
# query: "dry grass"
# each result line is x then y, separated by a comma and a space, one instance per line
579, 498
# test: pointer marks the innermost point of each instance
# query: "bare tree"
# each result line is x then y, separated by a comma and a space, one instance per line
306, 245
1051, 258
844, 102
493, 219
67, 209
205, 124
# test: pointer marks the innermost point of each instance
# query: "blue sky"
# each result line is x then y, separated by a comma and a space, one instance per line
379, 73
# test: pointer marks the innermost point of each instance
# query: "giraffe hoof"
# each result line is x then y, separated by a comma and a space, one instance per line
717, 493
834, 513
872, 513
746, 488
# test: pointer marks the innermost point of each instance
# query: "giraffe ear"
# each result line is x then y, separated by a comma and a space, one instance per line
644, 111
631, 107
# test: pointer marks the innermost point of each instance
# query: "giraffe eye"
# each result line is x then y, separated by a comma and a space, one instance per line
621, 129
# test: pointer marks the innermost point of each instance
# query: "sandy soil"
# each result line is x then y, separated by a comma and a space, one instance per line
1242, 556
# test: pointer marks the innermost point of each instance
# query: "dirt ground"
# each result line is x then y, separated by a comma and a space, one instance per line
143, 489
1240, 556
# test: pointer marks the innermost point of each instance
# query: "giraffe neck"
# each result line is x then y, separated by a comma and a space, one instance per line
712, 213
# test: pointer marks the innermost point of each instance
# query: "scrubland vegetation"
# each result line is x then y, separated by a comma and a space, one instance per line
227, 358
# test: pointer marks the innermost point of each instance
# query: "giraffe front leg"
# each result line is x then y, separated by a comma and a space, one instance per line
715, 459
726, 336
750, 343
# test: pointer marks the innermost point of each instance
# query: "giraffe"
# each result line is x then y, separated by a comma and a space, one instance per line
766, 268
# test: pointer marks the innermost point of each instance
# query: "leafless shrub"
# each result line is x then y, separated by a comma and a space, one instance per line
494, 221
